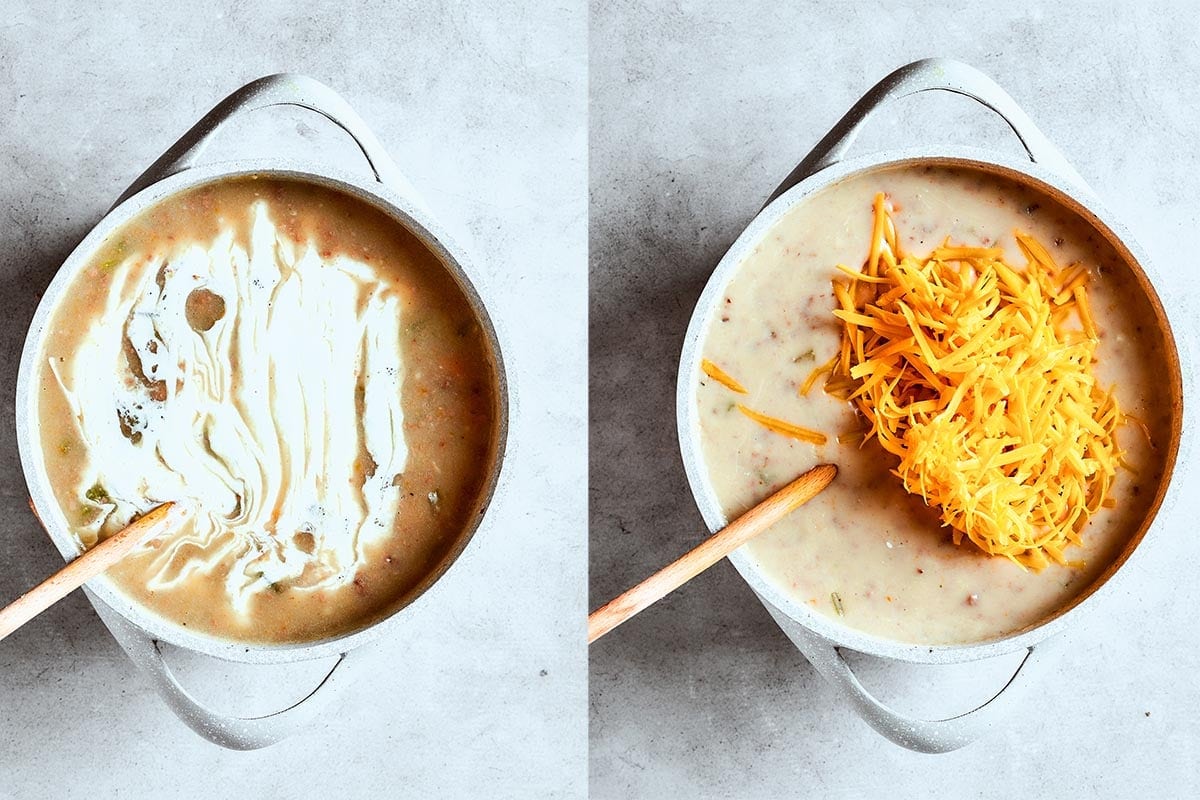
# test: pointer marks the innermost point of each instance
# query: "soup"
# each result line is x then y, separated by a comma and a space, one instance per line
866, 552
302, 373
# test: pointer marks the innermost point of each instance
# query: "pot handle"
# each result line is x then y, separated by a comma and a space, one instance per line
921, 735
231, 732
922, 76
284, 89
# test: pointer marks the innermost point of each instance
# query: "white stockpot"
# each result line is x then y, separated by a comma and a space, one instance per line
820, 638
139, 631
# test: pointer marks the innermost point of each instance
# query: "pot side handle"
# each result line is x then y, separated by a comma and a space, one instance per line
922, 76
284, 89
921, 735
231, 732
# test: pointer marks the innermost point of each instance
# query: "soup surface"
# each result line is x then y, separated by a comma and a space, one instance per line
865, 551
301, 372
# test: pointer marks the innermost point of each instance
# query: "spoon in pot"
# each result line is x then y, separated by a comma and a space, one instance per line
716, 547
156, 522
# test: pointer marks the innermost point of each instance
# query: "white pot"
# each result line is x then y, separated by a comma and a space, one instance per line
819, 637
138, 630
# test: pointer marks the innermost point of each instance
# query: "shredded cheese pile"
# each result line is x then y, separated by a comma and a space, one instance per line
977, 377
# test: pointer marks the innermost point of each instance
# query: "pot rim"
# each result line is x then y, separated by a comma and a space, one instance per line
1079, 200
401, 210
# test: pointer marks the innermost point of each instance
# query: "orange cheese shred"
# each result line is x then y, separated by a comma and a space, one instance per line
785, 428
721, 376
813, 376
976, 374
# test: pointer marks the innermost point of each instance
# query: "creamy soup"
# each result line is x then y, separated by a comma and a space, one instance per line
866, 552
298, 370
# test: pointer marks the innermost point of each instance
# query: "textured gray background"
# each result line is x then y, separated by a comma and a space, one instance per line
696, 114
483, 694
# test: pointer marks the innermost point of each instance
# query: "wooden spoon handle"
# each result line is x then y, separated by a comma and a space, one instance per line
159, 520
716, 547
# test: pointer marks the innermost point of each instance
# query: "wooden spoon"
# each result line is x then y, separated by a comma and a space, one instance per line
156, 522
716, 547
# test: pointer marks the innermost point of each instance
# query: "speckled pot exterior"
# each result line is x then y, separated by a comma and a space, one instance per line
817, 635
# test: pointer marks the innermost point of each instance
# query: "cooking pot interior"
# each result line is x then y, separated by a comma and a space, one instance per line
1055, 191
51, 514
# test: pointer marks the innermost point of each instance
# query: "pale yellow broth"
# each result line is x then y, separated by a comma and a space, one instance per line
881, 550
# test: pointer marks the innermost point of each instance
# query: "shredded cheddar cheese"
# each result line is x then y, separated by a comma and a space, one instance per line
721, 376
784, 428
977, 376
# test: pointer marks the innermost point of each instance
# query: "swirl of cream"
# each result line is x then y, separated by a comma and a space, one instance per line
260, 385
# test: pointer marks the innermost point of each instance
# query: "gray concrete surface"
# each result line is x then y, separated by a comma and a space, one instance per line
697, 112
484, 108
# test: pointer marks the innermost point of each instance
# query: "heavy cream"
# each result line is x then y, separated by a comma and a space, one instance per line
261, 386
